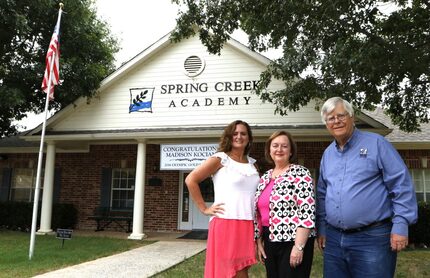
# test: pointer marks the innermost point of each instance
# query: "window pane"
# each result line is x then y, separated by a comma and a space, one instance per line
123, 189
115, 194
129, 203
115, 203
22, 178
20, 195
417, 178
116, 173
419, 187
123, 183
131, 174
427, 177
115, 183
23, 184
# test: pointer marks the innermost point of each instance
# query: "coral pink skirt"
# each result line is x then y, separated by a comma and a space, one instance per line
230, 247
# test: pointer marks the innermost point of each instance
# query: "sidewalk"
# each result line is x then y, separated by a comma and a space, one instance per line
140, 262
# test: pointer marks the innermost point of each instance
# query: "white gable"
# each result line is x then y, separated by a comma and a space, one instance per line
220, 94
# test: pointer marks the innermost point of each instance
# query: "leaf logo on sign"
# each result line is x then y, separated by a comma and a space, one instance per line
141, 100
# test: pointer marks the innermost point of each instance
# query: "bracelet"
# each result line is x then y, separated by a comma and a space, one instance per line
300, 247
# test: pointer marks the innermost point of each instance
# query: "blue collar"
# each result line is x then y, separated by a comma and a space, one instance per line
351, 141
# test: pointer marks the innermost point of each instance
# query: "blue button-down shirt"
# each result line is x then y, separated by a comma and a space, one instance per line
365, 182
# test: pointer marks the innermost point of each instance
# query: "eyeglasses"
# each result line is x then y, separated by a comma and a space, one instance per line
339, 117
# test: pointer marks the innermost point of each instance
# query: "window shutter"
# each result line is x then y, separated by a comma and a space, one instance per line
57, 185
5, 184
105, 187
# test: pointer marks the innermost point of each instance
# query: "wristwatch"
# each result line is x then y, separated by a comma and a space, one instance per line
300, 247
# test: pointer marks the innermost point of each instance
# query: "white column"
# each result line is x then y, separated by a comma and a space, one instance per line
48, 191
139, 193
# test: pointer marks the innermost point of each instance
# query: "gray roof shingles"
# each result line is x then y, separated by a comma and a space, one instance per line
397, 136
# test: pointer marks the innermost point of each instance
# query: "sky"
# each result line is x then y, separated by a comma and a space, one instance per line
137, 23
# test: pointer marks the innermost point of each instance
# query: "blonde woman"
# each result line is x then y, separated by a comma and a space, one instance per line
285, 211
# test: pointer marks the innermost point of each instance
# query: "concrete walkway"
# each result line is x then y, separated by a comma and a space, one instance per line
140, 262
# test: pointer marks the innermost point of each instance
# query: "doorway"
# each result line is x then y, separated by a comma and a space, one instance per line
191, 217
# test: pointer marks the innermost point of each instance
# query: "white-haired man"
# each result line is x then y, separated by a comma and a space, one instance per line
365, 199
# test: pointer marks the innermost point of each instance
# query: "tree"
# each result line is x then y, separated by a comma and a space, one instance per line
26, 27
371, 52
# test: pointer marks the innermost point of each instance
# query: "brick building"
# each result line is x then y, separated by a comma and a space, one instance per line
155, 118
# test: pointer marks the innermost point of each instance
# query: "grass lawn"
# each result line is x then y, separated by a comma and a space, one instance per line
410, 263
50, 255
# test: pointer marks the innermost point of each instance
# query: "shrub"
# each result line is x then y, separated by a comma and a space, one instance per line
419, 233
64, 216
17, 216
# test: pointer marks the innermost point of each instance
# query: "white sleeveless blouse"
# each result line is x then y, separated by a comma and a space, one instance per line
235, 185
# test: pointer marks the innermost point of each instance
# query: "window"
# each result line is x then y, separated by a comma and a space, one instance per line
421, 179
123, 182
23, 184
314, 174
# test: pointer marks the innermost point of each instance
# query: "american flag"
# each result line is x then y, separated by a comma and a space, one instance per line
52, 59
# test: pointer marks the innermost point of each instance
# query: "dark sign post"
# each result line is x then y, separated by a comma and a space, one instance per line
64, 234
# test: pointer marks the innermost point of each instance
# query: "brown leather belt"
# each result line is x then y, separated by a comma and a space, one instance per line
360, 229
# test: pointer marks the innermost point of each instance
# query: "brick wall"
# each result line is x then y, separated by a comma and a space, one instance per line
81, 177
412, 158
161, 202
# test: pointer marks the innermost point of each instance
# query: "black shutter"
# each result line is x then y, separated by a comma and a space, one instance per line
105, 187
57, 185
5, 184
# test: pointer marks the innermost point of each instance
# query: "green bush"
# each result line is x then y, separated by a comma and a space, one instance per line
419, 233
64, 216
17, 216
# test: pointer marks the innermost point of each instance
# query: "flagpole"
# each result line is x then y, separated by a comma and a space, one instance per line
39, 162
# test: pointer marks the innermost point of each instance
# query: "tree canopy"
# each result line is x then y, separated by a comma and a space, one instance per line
371, 52
87, 55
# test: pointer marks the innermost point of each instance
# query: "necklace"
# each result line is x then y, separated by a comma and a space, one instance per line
277, 172
238, 158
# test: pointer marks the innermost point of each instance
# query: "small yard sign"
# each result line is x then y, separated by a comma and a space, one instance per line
64, 234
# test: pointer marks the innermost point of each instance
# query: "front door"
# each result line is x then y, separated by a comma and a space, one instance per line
198, 220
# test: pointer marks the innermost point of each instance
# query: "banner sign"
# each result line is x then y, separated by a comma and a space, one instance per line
184, 156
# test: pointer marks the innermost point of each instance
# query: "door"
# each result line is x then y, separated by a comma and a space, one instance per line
198, 220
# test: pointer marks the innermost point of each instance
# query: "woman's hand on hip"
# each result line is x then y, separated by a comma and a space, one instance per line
214, 210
